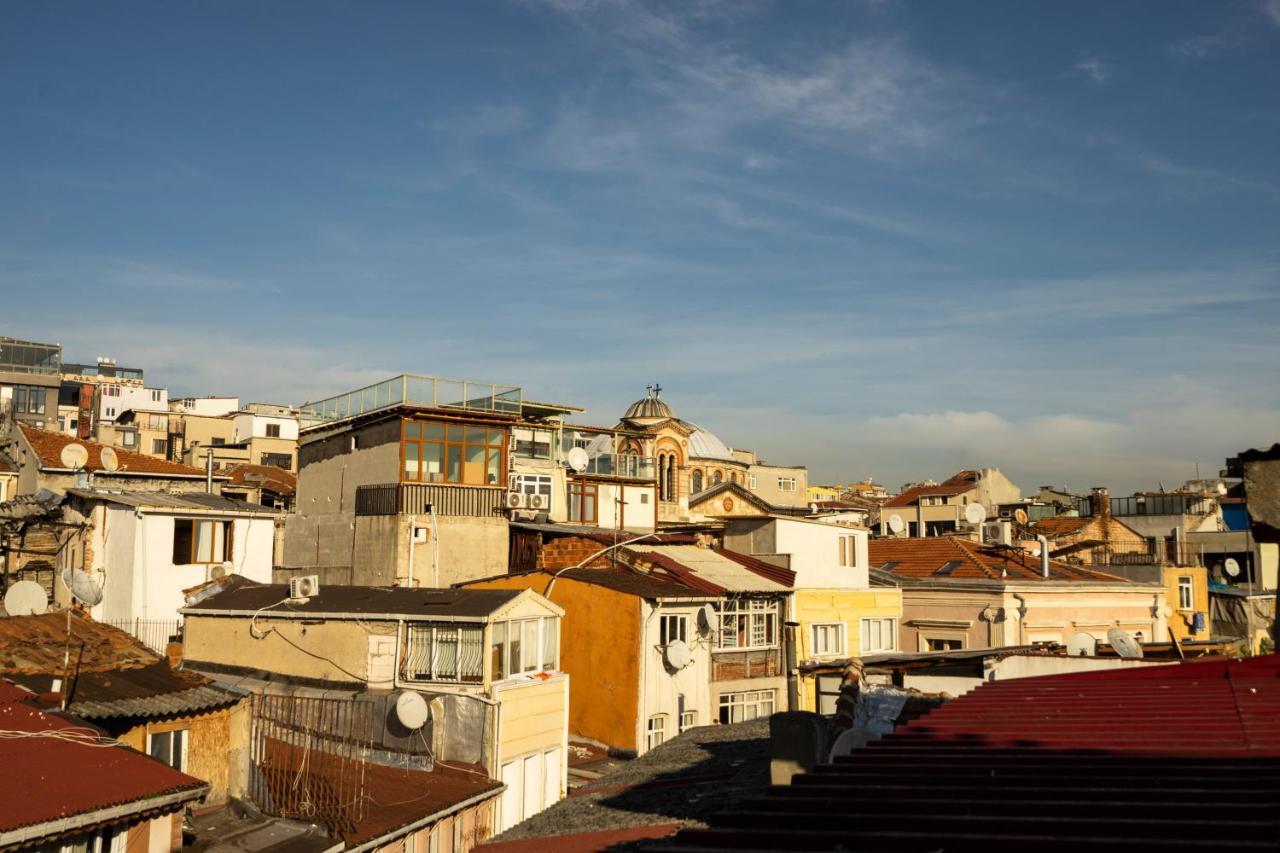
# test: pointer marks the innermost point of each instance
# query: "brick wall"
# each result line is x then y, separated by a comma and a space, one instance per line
566, 551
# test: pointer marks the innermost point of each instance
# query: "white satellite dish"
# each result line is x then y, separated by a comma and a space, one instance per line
1231, 567
110, 461
412, 710
1082, 645
84, 588
1020, 516
896, 524
1033, 548
1221, 488
707, 618
678, 656
975, 513
578, 459
26, 598
1124, 643
74, 456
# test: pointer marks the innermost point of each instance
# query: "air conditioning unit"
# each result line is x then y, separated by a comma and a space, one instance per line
304, 587
536, 501
514, 500
997, 533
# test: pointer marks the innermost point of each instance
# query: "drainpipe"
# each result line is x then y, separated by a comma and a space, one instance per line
413, 537
1044, 554
435, 548
208, 470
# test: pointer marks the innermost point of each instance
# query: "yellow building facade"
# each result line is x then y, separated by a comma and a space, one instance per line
842, 623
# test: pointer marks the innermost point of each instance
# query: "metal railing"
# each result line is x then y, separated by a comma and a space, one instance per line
419, 498
155, 634
408, 389
621, 465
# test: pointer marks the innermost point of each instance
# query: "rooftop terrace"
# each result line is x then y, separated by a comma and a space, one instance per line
411, 390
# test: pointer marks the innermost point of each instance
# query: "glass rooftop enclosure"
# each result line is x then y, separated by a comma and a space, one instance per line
30, 357
410, 390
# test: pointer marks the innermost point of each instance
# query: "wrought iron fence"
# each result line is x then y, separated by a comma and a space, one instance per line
155, 634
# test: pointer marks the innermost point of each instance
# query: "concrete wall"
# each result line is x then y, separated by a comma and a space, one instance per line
662, 685
815, 554
767, 484
535, 718
330, 651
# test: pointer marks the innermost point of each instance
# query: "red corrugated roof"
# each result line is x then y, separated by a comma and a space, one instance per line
48, 448
922, 558
47, 778
1161, 758
958, 484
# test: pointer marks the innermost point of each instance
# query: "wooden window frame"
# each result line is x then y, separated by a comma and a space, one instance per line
492, 447
228, 540
577, 492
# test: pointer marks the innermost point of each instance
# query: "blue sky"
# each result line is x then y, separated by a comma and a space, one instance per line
879, 238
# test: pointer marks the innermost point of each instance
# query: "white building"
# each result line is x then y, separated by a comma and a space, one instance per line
249, 425
210, 407
145, 548
113, 399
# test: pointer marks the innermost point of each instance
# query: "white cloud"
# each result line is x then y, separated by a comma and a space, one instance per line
1094, 69
761, 162
1271, 8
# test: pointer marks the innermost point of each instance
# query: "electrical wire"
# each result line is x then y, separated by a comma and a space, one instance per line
80, 736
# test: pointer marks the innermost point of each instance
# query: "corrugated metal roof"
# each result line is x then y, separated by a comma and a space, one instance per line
635, 583
49, 778
727, 574
175, 502
1166, 758
370, 600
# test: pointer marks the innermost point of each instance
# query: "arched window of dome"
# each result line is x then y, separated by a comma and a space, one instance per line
734, 476
718, 478
697, 481
671, 478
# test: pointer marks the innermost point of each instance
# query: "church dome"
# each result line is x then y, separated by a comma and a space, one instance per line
649, 409
704, 444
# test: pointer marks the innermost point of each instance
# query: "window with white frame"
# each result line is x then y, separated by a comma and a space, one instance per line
747, 705
1186, 599
879, 635
169, 748
828, 638
672, 627
748, 623
107, 840
847, 548
534, 484
657, 731
524, 646
787, 484
444, 652
751, 481
688, 720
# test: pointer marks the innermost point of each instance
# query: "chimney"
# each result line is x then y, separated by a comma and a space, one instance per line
1100, 502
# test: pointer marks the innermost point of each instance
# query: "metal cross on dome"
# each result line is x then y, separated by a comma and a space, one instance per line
657, 390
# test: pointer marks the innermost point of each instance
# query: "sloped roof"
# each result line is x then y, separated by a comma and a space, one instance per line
7, 465
269, 477
633, 582
957, 484
370, 601
48, 449
195, 501
718, 571
923, 558
1162, 758
60, 779
734, 488
1061, 525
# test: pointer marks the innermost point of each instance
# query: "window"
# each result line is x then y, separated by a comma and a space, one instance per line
828, 691
532, 443
524, 646
128, 439
534, 484
218, 441
751, 481
688, 720
1186, 600
444, 653
279, 460
273, 430
848, 551
28, 399
583, 502
696, 481
748, 624
111, 412
944, 644
111, 391
169, 747
159, 423
672, 628
717, 478
199, 541
747, 705
828, 638
453, 453
787, 484
155, 396
879, 635
657, 732
107, 840
160, 446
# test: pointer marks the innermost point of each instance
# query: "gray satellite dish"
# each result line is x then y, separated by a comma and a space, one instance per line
1124, 643
74, 456
110, 461
896, 524
84, 588
1082, 645
25, 598
1231, 567
578, 459
412, 710
975, 513
678, 656
707, 618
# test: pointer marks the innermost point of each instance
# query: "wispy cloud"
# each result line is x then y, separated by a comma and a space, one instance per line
1093, 69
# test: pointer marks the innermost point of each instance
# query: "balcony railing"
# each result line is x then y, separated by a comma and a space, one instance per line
621, 465
420, 498
407, 389
756, 663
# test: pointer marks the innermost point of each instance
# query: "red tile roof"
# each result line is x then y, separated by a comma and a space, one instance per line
269, 477
57, 778
48, 448
922, 558
1059, 526
958, 484
1162, 758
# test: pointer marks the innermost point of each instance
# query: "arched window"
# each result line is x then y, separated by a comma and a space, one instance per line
697, 481
671, 478
734, 476
718, 478
662, 476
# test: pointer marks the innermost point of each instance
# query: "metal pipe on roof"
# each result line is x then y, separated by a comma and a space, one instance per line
1044, 554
